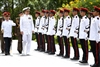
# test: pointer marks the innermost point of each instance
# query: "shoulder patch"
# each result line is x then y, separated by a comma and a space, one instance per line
98, 18
85, 17
68, 17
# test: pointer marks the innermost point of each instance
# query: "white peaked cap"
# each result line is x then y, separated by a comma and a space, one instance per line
26, 8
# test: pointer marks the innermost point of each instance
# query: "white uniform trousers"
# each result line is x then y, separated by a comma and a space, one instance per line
27, 43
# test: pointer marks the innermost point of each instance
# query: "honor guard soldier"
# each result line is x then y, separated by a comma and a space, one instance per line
18, 34
83, 29
6, 28
59, 33
90, 16
94, 36
37, 22
46, 30
26, 29
73, 34
45, 27
41, 31
51, 32
65, 33
1, 36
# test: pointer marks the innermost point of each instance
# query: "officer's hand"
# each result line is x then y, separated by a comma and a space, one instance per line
54, 29
2, 31
85, 31
76, 32
98, 31
15, 34
32, 31
22, 33
67, 28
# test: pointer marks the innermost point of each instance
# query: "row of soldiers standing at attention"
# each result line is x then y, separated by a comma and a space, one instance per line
84, 29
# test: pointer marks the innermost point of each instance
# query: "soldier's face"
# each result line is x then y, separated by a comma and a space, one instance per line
6, 17
60, 14
36, 15
74, 13
95, 13
47, 14
82, 13
27, 11
42, 14
65, 13
51, 14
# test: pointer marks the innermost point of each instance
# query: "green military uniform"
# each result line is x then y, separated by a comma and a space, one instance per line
1, 37
19, 36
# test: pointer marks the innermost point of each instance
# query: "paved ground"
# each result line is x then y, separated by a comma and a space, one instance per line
39, 59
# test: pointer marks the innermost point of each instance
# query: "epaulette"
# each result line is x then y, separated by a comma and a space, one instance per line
97, 18
62, 18
76, 16
38, 17
68, 17
85, 17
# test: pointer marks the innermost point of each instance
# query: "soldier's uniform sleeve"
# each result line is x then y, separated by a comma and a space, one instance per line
2, 26
68, 23
21, 24
13, 24
77, 23
32, 24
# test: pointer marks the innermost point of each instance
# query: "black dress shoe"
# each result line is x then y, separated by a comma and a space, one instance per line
20, 52
75, 58
83, 61
7, 54
95, 65
65, 56
2, 52
36, 49
59, 54
51, 53
42, 50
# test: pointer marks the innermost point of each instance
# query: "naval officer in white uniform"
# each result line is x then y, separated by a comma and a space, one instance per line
26, 28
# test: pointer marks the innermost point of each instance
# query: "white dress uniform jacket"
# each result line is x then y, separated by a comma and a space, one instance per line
59, 27
74, 25
84, 24
26, 24
51, 27
93, 28
7, 28
37, 22
41, 25
67, 23
98, 40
